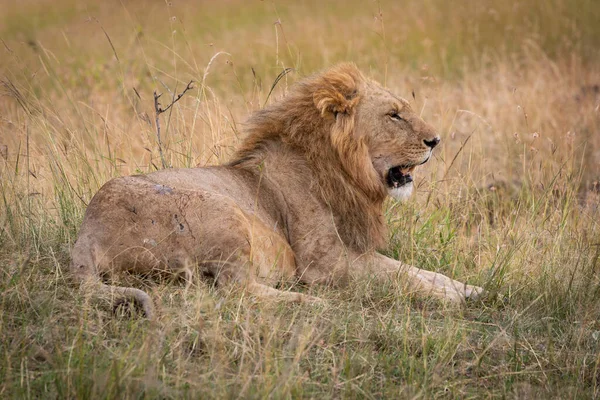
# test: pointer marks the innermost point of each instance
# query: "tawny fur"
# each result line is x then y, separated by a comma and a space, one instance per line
301, 200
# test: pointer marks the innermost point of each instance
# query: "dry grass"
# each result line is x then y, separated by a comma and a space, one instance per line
508, 203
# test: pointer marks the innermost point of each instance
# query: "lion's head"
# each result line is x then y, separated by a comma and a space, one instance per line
398, 139
378, 136
361, 141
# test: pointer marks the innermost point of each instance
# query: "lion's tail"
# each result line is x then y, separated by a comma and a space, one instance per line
84, 271
119, 294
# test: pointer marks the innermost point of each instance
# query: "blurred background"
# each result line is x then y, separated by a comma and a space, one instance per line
518, 79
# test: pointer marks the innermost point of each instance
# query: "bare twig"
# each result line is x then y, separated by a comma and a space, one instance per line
159, 110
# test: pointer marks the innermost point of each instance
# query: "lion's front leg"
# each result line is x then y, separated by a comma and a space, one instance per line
448, 287
417, 280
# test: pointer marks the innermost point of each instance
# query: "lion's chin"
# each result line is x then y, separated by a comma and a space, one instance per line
401, 193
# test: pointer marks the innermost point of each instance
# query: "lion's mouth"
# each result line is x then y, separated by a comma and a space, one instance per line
400, 175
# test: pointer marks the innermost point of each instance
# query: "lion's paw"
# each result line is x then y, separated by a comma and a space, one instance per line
474, 293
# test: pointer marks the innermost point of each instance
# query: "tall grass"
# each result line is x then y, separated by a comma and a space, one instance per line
509, 201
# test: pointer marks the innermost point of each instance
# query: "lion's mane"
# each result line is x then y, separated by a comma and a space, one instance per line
317, 118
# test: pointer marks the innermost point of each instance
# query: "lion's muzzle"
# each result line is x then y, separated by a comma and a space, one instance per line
399, 176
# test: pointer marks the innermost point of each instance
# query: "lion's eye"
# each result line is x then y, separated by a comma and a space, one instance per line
396, 116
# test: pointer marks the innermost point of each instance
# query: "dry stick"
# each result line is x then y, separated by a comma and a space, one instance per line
159, 110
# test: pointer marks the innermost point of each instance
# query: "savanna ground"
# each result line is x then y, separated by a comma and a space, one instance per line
510, 202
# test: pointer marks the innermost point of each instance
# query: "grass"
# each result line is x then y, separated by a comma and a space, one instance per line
508, 202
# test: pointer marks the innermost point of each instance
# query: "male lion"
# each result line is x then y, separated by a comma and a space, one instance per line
302, 200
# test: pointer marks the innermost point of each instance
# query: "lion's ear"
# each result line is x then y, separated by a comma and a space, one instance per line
337, 90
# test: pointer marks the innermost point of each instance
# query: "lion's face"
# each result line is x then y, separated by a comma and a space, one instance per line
397, 138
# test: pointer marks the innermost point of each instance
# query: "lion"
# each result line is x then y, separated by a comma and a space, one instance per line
301, 201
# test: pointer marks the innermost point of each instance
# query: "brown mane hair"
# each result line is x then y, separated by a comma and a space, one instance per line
318, 118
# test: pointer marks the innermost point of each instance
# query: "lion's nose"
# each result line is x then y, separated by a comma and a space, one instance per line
433, 142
